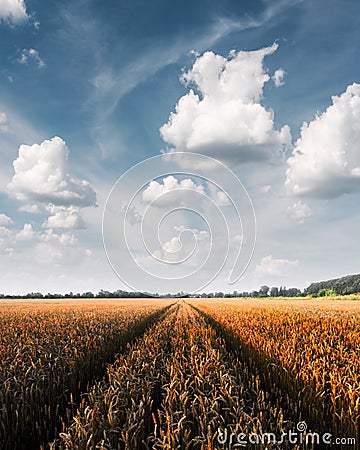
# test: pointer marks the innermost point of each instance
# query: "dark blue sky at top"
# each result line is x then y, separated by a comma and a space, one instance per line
78, 40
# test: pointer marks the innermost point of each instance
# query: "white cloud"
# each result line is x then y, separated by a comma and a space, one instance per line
55, 248
42, 181
299, 211
64, 217
26, 234
238, 239
181, 246
4, 123
274, 267
222, 199
132, 214
4, 232
266, 189
30, 208
326, 158
13, 11
172, 246
225, 118
40, 247
5, 220
41, 176
156, 190
5, 237
31, 54
219, 197
278, 77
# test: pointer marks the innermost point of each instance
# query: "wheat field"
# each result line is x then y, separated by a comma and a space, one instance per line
180, 374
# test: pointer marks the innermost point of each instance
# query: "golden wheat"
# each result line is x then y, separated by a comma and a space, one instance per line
174, 388
183, 376
313, 349
49, 354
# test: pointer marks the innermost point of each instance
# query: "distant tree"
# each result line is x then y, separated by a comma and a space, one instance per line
264, 290
292, 292
326, 292
282, 291
274, 291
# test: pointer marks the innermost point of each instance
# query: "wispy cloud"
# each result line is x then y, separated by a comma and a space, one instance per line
4, 123
30, 54
110, 85
111, 78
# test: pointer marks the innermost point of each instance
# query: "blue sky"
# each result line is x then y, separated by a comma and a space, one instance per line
104, 79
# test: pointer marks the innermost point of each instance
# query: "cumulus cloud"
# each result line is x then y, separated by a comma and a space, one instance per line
183, 244
326, 158
40, 247
56, 248
13, 11
172, 246
155, 189
299, 211
41, 176
5, 238
29, 208
219, 197
223, 115
41, 179
4, 123
222, 199
64, 217
270, 266
278, 77
5, 220
26, 234
28, 55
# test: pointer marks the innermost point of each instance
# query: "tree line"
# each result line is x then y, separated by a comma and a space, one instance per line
349, 284
264, 291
